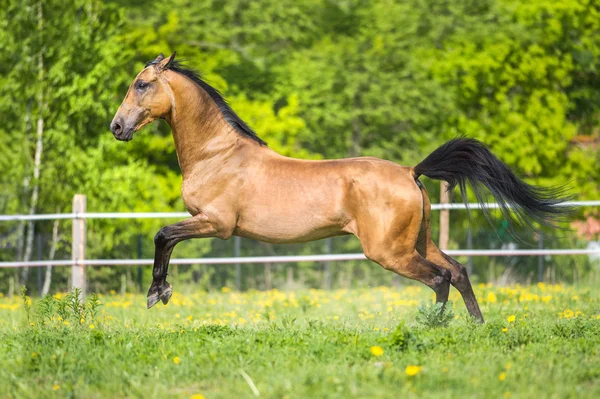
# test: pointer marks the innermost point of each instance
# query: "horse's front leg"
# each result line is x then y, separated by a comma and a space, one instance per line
165, 240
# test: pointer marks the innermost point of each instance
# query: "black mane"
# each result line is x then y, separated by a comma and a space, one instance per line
230, 116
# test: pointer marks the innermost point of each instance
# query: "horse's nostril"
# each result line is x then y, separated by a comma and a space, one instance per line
117, 128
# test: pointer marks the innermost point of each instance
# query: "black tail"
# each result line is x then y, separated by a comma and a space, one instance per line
463, 160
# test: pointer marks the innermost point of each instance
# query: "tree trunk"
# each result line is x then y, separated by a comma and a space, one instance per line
39, 149
48, 278
355, 145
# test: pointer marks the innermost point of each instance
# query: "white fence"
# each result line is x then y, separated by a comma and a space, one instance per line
79, 216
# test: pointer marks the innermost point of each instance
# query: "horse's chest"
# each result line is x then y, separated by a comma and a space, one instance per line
199, 195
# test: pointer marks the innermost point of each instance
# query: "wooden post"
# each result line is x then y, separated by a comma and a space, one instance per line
469, 246
444, 217
78, 244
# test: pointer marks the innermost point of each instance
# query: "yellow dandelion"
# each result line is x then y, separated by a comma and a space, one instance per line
56, 387
176, 360
376, 350
567, 314
411, 371
511, 318
92, 326
505, 329
190, 317
502, 376
197, 396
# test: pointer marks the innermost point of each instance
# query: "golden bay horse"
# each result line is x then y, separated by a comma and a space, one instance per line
233, 184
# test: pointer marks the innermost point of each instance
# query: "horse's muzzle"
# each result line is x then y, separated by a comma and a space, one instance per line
121, 131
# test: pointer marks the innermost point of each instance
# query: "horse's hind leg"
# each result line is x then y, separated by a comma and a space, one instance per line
416, 267
396, 252
460, 279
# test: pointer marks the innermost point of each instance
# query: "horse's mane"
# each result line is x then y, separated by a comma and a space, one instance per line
230, 116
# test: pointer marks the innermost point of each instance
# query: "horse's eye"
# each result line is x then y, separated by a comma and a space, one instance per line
141, 85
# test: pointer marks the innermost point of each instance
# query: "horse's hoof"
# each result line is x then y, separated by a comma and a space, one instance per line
166, 294
153, 299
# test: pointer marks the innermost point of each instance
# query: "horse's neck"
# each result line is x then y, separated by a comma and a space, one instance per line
200, 131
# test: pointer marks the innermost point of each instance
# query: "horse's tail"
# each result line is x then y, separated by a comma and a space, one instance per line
463, 160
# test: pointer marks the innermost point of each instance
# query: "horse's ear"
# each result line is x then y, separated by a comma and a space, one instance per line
165, 63
158, 58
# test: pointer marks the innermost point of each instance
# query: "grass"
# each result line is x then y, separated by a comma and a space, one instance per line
539, 341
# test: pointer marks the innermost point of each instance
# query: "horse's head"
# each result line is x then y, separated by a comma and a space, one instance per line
148, 98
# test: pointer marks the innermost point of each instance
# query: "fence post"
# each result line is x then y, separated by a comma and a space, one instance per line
469, 246
444, 217
78, 244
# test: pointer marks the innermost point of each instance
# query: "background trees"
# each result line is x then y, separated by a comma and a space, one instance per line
315, 78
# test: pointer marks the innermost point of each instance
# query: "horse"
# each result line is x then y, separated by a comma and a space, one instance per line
234, 184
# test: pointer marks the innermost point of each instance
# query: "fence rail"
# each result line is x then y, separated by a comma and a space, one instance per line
178, 215
290, 259
79, 217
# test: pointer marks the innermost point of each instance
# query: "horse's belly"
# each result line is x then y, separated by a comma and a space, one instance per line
289, 226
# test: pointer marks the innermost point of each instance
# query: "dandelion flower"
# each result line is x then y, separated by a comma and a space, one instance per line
376, 350
176, 360
567, 314
197, 396
502, 376
56, 387
411, 371
92, 326
505, 329
511, 318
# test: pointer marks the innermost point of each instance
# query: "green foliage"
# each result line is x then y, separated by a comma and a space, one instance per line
435, 314
26, 302
401, 337
315, 79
